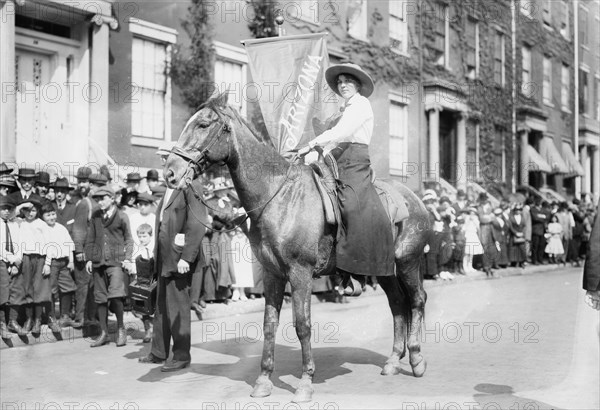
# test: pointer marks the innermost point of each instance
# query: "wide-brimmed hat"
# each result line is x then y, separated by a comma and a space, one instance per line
103, 191
152, 174
98, 179
483, 196
6, 202
61, 183
26, 173
461, 194
159, 191
144, 197
83, 173
5, 169
133, 177
7, 180
43, 178
366, 82
106, 172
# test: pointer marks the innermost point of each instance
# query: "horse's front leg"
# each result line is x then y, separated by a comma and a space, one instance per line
273, 288
301, 283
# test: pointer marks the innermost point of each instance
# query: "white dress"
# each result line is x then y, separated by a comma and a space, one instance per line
472, 242
554, 246
242, 260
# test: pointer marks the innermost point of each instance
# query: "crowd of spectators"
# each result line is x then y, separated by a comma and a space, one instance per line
55, 237
474, 235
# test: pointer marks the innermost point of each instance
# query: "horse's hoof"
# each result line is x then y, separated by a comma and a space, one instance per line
262, 388
391, 369
419, 368
304, 392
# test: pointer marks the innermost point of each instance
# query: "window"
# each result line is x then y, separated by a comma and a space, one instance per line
442, 43
547, 13
357, 19
499, 154
398, 26
583, 26
151, 94
526, 69
230, 74
499, 67
584, 101
308, 10
398, 137
547, 81
597, 98
565, 82
149, 78
472, 49
564, 27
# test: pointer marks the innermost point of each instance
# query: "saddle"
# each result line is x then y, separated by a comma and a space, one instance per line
326, 176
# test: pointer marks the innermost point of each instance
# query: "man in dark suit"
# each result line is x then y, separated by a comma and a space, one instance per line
591, 269
539, 220
65, 210
26, 179
83, 213
180, 223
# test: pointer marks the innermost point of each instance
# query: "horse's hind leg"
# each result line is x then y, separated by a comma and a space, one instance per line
391, 286
274, 288
409, 277
301, 283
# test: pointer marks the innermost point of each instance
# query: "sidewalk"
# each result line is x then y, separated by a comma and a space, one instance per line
135, 328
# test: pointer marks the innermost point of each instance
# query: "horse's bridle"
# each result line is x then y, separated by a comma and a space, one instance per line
198, 161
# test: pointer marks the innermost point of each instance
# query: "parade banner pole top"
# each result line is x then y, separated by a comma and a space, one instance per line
273, 39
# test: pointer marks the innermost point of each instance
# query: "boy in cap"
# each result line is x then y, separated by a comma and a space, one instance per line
108, 249
65, 210
7, 185
145, 203
10, 260
59, 262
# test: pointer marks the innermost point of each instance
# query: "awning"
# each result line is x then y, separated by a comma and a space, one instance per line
550, 153
575, 168
535, 162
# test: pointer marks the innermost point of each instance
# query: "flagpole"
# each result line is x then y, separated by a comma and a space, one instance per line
279, 21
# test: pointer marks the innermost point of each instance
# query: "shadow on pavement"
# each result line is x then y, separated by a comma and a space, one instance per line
329, 362
504, 397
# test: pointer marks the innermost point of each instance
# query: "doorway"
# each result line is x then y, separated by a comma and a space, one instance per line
448, 147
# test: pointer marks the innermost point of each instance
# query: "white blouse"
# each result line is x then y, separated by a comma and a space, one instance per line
356, 124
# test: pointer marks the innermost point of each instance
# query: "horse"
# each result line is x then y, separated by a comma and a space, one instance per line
290, 237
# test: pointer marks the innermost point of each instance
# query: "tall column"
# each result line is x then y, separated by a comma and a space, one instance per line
433, 167
585, 179
98, 90
8, 141
596, 172
461, 152
524, 142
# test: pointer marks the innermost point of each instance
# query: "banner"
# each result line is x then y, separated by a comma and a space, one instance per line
289, 73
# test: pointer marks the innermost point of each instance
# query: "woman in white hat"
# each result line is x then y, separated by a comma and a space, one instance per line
366, 245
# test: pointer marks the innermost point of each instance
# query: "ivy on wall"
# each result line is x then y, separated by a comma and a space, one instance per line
192, 68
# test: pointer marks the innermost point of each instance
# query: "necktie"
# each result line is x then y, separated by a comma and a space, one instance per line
9, 245
147, 254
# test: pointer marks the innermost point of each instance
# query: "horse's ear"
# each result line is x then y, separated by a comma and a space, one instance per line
221, 99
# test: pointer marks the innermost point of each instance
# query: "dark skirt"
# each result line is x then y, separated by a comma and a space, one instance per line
365, 244
517, 252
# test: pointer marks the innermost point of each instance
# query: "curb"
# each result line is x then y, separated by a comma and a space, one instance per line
135, 327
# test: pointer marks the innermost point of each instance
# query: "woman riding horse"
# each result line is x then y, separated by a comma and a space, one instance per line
365, 246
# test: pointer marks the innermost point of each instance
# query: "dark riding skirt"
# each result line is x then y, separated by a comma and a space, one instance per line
365, 244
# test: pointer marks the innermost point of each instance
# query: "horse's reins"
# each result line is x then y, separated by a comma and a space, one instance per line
197, 162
